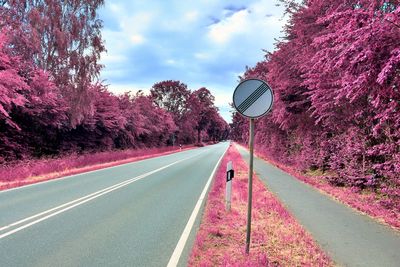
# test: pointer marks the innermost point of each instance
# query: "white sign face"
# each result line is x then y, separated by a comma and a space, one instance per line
253, 98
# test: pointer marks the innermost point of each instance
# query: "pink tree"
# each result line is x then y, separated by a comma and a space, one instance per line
361, 44
31, 109
158, 124
173, 96
201, 105
335, 79
63, 38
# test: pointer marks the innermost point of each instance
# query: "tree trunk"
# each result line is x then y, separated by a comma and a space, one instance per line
198, 136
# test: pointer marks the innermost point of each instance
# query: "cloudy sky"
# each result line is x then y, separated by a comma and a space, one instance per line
201, 43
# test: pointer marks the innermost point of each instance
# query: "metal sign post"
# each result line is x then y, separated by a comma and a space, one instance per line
253, 99
250, 182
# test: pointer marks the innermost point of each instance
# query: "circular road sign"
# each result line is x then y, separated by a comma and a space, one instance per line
253, 98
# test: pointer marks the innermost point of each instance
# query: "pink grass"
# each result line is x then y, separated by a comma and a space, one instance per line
277, 239
33, 171
365, 202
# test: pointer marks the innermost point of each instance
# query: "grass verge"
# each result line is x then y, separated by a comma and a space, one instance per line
32, 171
277, 238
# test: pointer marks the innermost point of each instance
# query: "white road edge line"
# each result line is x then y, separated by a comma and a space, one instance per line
173, 261
84, 200
83, 173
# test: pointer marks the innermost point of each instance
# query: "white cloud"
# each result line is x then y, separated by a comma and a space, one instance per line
201, 55
122, 88
223, 31
115, 8
223, 97
107, 58
170, 62
137, 39
113, 41
201, 43
137, 22
191, 16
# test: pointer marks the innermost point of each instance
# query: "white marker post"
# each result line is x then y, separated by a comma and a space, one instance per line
253, 99
229, 175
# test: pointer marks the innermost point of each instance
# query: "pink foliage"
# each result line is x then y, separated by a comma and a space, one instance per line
52, 103
193, 112
337, 98
11, 83
32, 171
35, 117
60, 37
379, 207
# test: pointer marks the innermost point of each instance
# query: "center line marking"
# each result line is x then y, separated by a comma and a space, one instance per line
81, 200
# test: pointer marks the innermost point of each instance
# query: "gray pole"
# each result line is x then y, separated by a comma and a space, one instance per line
250, 193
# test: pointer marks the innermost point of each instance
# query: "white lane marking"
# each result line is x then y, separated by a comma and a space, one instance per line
173, 261
56, 208
83, 173
82, 200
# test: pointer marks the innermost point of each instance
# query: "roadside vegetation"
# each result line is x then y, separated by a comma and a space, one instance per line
365, 201
277, 238
53, 103
336, 111
25, 172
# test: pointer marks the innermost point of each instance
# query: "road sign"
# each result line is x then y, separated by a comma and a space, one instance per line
253, 98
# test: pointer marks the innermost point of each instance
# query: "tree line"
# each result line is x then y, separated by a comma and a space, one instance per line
336, 81
52, 100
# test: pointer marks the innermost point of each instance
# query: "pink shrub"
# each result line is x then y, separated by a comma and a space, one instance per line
30, 171
377, 206
336, 100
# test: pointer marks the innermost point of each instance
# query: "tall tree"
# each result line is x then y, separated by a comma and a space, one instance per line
336, 84
201, 103
217, 129
158, 124
62, 37
361, 43
31, 109
171, 96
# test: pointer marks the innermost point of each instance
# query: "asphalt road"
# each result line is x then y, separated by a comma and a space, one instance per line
350, 238
138, 214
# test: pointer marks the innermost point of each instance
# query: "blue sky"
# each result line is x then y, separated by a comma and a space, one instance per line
201, 43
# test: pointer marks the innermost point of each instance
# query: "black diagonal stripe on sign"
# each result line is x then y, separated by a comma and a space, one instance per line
252, 98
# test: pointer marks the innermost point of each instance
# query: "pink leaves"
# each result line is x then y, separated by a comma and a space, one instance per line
4, 112
12, 85
390, 67
51, 102
191, 111
34, 16
337, 97
63, 38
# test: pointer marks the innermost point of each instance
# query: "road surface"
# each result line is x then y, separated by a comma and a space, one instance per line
136, 214
350, 238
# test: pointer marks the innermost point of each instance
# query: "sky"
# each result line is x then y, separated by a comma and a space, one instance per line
202, 43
